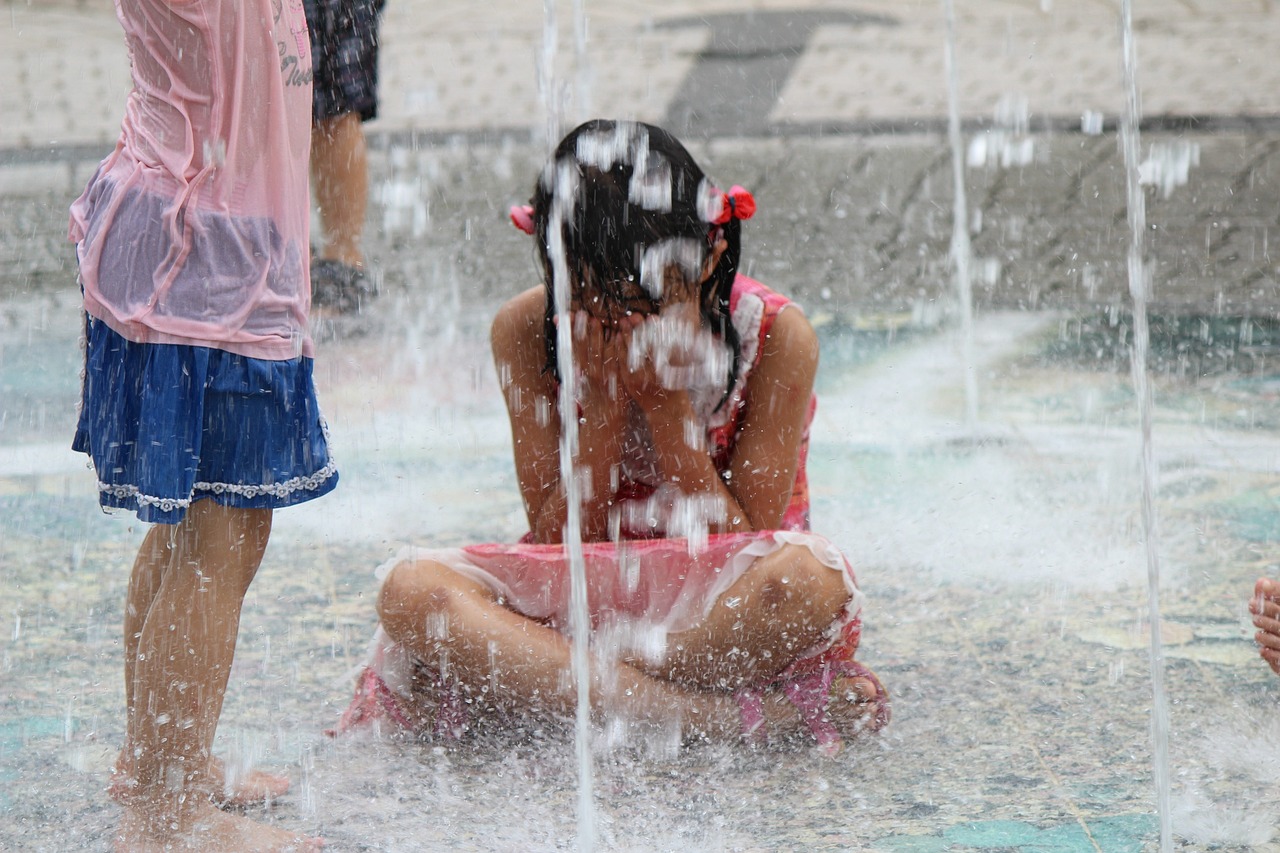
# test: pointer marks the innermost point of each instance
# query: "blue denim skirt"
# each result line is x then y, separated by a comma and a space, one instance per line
167, 424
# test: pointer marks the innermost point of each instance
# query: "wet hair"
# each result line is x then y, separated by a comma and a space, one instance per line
637, 204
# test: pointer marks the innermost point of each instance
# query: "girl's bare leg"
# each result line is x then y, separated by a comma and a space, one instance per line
179, 665
458, 627
782, 606
149, 567
1265, 607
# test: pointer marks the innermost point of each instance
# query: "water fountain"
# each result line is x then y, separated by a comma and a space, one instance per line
961, 248
1004, 578
1139, 288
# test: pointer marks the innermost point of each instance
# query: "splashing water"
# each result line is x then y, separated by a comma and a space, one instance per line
1092, 123
1169, 164
684, 354
1007, 144
1241, 747
1139, 286
682, 252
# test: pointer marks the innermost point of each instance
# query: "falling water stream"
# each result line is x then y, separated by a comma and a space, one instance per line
564, 198
579, 618
548, 86
582, 68
1139, 287
961, 250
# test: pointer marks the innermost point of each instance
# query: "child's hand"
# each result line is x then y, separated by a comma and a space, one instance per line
651, 348
672, 353
600, 357
1265, 607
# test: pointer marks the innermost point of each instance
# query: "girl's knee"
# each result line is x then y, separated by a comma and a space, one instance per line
415, 587
796, 571
400, 587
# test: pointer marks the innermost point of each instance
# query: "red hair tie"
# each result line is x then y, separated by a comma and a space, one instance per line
522, 217
737, 204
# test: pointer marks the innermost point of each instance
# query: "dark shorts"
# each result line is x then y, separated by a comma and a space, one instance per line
344, 53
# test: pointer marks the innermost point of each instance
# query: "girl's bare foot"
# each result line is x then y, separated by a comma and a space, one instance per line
240, 790
209, 830
246, 787
853, 701
1265, 607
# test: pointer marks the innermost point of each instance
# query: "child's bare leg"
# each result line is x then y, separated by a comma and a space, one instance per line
149, 567
339, 164
180, 665
458, 627
1265, 607
782, 606
153, 560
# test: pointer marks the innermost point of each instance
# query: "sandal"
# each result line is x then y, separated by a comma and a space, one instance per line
811, 693
338, 285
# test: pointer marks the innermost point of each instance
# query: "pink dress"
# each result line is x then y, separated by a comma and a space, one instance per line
653, 582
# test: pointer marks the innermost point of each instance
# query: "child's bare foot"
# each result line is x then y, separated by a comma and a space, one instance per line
854, 701
243, 789
1265, 607
208, 830
247, 787
851, 703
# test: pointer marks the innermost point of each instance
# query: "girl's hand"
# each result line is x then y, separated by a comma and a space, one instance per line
595, 355
671, 353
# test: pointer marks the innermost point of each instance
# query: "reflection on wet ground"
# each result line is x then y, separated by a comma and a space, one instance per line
1002, 560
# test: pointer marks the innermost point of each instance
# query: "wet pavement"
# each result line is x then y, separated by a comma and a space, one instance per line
1003, 559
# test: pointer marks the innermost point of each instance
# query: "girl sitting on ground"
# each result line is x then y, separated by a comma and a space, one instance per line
693, 392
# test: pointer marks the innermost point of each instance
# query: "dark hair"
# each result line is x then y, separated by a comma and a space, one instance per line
634, 186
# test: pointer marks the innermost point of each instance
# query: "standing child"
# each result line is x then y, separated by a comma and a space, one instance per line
344, 53
693, 398
198, 408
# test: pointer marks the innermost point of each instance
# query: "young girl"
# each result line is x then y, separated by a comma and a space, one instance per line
198, 409
693, 393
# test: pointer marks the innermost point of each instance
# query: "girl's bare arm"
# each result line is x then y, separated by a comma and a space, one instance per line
519, 351
761, 476
762, 472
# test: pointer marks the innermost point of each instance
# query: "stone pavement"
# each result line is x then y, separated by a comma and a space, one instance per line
778, 65
1004, 567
